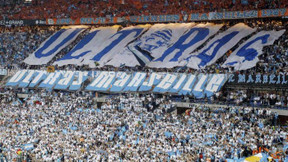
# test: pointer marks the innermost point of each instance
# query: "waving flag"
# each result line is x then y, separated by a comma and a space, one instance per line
88, 45
218, 46
246, 56
157, 39
115, 44
49, 48
186, 44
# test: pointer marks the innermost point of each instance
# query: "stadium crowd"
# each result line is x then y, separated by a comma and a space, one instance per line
50, 126
42, 9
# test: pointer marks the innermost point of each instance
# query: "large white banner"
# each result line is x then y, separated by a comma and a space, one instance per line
54, 44
88, 45
124, 58
150, 45
186, 44
246, 56
218, 46
114, 45
105, 81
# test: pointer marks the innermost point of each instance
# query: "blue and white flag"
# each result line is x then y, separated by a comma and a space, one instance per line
186, 44
156, 40
218, 46
28, 146
115, 44
246, 56
54, 44
88, 45
125, 58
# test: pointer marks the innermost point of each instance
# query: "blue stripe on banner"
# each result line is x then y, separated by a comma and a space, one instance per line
202, 33
40, 76
189, 83
79, 46
15, 79
25, 82
65, 81
205, 57
102, 82
40, 52
121, 81
200, 85
118, 37
215, 84
154, 79
136, 82
179, 83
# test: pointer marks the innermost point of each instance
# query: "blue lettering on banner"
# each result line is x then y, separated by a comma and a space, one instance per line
200, 85
265, 79
202, 33
165, 83
79, 46
154, 79
179, 84
250, 79
65, 21
205, 57
119, 37
41, 75
102, 82
40, 52
81, 77
65, 81
121, 81
241, 78
234, 15
249, 53
278, 79
198, 16
272, 77
231, 78
97, 20
136, 82
187, 88
215, 84
25, 82
14, 81
258, 78
273, 12
51, 80
155, 18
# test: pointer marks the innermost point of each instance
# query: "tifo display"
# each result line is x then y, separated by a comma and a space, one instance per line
200, 85
157, 46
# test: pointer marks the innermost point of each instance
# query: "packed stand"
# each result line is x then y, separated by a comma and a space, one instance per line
16, 43
50, 126
42, 9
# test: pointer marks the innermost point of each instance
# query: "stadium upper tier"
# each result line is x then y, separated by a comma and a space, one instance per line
42, 9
